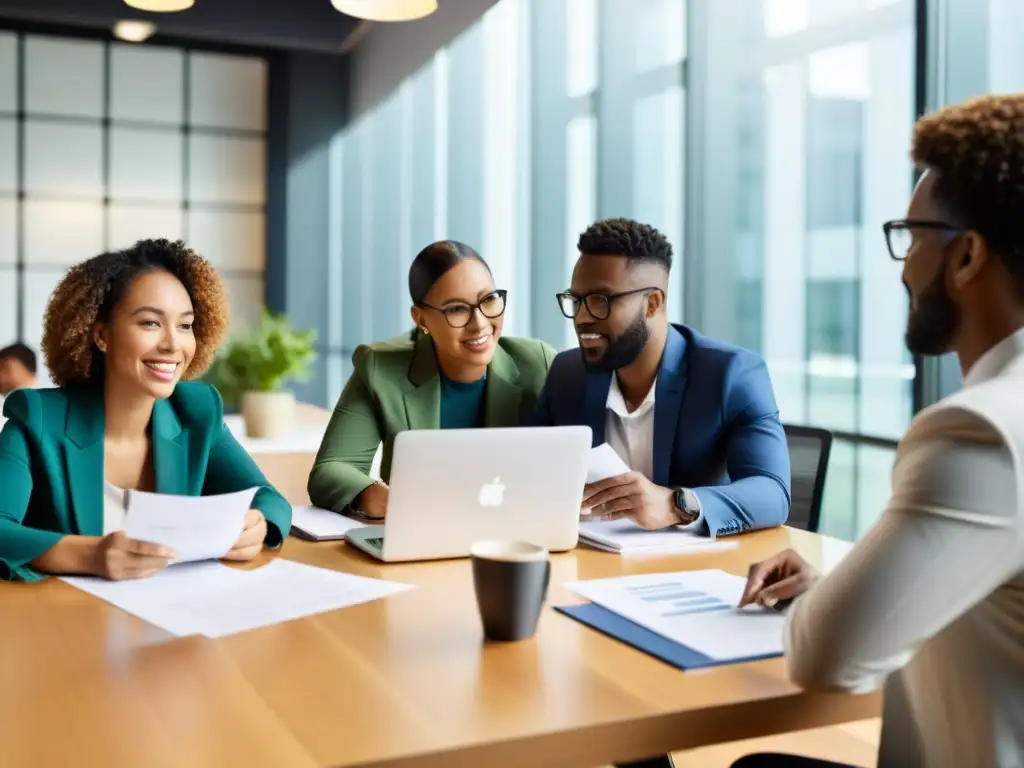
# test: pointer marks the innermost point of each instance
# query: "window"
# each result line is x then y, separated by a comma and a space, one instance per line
581, 193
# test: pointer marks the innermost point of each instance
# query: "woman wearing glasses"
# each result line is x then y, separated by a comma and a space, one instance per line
454, 371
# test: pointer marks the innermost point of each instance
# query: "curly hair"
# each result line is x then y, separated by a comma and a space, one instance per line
976, 151
640, 243
89, 291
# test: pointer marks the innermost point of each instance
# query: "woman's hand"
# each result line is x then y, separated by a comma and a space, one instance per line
118, 557
373, 501
250, 543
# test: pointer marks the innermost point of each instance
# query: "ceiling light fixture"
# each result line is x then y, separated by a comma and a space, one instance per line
134, 30
386, 10
160, 6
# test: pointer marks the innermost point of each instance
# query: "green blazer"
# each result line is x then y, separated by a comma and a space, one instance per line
396, 386
51, 466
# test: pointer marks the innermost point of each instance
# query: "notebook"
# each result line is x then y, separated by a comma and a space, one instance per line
625, 537
316, 524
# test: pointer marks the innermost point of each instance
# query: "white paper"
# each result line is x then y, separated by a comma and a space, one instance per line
214, 600
321, 524
694, 608
603, 463
626, 537
195, 527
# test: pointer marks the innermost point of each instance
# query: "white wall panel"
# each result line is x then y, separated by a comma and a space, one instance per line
63, 77
131, 223
63, 159
228, 239
226, 169
227, 91
58, 232
147, 84
146, 164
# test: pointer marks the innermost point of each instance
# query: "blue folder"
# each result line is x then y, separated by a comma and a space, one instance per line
629, 632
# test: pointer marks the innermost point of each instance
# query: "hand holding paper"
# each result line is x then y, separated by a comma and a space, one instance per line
194, 527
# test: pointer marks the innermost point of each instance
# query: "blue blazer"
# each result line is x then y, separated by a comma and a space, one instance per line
716, 431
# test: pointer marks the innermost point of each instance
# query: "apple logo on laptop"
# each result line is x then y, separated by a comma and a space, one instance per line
492, 494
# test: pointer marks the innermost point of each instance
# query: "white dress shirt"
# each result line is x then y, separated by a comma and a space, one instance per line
114, 507
630, 433
930, 602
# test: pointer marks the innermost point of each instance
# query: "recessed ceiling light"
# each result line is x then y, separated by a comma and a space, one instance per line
134, 30
386, 10
160, 6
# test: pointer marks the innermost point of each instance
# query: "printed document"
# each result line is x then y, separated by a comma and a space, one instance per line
215, 600
696, 609
195, 527
318, 524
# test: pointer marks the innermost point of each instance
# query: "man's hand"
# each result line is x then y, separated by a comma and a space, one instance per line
783, 577
634, 496
250, 543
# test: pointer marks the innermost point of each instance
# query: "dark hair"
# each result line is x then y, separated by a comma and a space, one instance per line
433, 262
89, 291
976, 150
639, 243
23, 354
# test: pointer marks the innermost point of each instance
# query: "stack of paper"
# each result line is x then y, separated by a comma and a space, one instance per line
696, 609
214, 600
195, 527
626, 537
316, 524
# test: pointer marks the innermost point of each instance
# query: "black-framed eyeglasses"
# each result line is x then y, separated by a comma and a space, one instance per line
599, 305
899, 234
458, 314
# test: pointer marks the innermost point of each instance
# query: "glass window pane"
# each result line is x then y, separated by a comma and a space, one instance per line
62, 232
8, 307
229, 240
147, 84
63, 77
8, 156
581, 193
146, 164
245, 295
660, 33
8, 230
39, 284
63, 159
225, 169
227, 91
131, 223
787, 17
658, 144
8, 72
581, 51
501, 159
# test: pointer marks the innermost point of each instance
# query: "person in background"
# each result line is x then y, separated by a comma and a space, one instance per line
455, 370
695, 419
122, 333
17, 368
930, 602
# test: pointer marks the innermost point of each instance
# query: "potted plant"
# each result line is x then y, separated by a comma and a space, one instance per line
254, 369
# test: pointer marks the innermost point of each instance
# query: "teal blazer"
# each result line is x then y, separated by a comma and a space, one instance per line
51, 466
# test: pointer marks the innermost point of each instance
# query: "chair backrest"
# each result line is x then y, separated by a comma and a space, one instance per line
809, 449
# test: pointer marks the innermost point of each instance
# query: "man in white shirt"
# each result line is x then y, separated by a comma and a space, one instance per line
930, 603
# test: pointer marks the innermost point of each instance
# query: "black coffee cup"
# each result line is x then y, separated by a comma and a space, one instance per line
511, 580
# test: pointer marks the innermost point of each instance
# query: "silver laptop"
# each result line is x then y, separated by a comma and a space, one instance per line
452, 487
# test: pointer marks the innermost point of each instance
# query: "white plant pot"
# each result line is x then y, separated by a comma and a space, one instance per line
268, 414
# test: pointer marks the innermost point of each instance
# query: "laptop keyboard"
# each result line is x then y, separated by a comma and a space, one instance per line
376, 542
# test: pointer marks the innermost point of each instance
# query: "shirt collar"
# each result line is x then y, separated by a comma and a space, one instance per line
616, 403
992, 363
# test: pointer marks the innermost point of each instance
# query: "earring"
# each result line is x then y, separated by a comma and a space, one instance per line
425, 331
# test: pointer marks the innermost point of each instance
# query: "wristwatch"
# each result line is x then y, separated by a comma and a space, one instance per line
686, 504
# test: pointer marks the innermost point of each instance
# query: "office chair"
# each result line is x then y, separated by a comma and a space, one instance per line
809, 449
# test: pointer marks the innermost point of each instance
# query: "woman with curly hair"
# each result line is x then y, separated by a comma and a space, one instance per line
124, 332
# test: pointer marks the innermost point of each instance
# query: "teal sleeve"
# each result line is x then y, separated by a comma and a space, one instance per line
230, 469
19, 544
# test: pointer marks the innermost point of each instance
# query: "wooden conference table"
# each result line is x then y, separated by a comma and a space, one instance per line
404, 681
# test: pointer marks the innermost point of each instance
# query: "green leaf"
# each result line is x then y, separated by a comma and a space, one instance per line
264, 359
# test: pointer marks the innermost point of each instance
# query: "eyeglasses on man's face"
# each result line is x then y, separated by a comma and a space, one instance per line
899, 234
458, 313
599, 305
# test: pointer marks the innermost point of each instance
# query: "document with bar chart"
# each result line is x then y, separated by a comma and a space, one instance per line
696, 609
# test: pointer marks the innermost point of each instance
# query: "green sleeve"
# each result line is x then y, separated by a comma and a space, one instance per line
230, 468
19, 544
549, 355
341, 470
